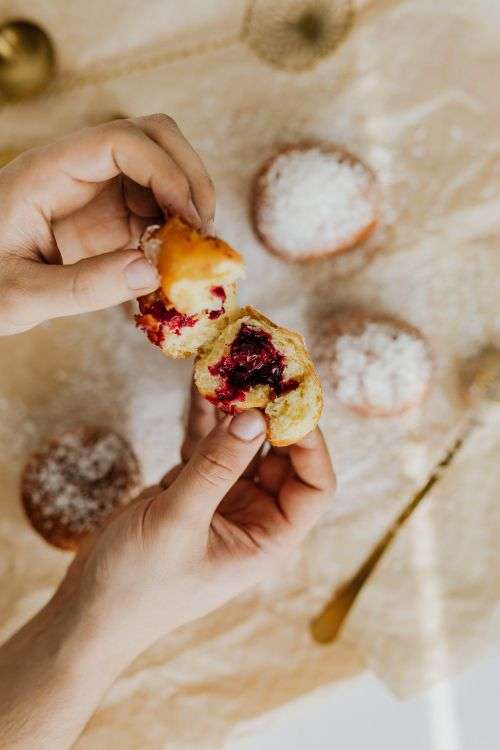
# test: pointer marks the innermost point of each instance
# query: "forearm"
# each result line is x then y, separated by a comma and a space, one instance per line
53, 674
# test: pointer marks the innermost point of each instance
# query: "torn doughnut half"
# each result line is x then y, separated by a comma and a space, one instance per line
256, 364
197, 295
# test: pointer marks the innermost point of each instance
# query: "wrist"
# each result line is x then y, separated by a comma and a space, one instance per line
52, 661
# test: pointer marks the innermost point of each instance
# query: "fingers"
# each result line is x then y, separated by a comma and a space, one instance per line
151, 151
312, 463
170, 476
217, 463
273, 471
165, 132
39, 292
201, 419
306, 493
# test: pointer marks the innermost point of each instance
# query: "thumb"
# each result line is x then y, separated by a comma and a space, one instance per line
53, 291
218, 462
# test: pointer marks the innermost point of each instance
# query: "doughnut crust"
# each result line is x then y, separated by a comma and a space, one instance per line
198, 276
377, 365
75, 481
255, 363
312, 200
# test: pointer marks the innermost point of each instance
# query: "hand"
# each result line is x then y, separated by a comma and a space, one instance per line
69, 210
221, 521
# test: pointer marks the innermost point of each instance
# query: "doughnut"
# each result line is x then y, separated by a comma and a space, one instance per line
377, 365
74, 481
313, 200
198, 287
257, 364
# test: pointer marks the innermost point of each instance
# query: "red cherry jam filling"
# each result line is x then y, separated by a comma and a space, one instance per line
155, 317
252, 360
220, 292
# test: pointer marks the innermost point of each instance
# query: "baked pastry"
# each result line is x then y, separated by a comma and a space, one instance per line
257, 364
313, 200
377, 365
198, 287
75, 481
244, 360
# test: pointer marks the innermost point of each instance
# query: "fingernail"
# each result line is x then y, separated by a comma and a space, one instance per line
140, 274
248, 425
192, 214
209, 228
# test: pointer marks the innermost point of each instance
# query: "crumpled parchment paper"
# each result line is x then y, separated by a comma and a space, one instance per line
413, 91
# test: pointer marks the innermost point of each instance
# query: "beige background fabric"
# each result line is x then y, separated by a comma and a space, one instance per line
413, 91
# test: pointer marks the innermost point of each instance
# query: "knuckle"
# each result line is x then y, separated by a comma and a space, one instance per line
17, 308
208, 189
215, 465
83, 290
118, 129
182, 186
160, 118
12, 299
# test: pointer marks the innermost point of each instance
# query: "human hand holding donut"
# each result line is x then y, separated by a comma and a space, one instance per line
218, 523
69, 210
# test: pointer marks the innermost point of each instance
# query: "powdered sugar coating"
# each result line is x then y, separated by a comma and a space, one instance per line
378, 366
313, 201
75, 481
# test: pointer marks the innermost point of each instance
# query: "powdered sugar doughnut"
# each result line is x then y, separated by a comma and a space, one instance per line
73, 483
313, 200
378, 365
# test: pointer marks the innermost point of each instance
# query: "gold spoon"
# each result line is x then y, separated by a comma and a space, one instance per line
27, 60
482, 381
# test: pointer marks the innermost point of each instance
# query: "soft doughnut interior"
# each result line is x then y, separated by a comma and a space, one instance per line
198, 287
178, 334
256, 364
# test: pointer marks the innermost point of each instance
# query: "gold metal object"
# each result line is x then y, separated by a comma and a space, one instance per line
481, 376
27, 60
326, 627
482, 380
289, 34
7, 154
297, 34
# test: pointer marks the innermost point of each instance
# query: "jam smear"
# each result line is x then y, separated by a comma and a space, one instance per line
155, 317
252, 360
220, 292
214, 314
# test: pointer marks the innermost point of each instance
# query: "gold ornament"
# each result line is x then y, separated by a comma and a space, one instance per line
297, 34
481, 376
7, 154
27, 60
